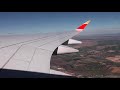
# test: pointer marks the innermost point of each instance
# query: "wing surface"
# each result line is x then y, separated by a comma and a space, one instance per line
32, 52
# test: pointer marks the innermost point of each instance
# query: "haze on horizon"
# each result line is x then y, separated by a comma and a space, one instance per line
43, 22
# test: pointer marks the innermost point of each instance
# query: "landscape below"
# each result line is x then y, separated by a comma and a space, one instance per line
98, 57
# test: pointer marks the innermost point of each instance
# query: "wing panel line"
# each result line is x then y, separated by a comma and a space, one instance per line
11, 57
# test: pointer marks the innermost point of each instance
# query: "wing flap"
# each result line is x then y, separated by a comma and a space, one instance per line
17, 65
6, 54
30, 58
25, 53
40, 61
22, 58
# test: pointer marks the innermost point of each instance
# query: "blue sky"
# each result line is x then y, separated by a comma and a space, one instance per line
36, 22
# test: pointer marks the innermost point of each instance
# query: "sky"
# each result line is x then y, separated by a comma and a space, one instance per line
44, 22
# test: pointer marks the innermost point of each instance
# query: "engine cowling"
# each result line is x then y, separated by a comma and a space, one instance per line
65, 49
73, 41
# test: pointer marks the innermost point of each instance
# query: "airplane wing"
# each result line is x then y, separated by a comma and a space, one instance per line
33, 52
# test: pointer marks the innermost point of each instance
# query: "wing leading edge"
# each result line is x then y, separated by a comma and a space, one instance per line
35, 55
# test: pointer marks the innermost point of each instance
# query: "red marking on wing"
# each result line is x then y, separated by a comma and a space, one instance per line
82, 26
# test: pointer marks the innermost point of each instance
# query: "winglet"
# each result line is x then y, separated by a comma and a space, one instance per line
82, 27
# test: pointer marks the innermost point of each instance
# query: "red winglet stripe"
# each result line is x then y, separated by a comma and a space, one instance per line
82, 26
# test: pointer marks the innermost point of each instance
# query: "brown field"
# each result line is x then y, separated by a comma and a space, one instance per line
115, 70
114, 59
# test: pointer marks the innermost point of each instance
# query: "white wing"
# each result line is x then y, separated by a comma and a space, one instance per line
33, 52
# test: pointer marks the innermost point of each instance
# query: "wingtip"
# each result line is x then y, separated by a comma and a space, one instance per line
87, 22
82, 27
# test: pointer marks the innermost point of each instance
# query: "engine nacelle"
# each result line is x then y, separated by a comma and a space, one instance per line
72, 41
65, 49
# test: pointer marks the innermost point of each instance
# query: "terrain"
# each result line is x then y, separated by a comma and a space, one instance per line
98, 57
